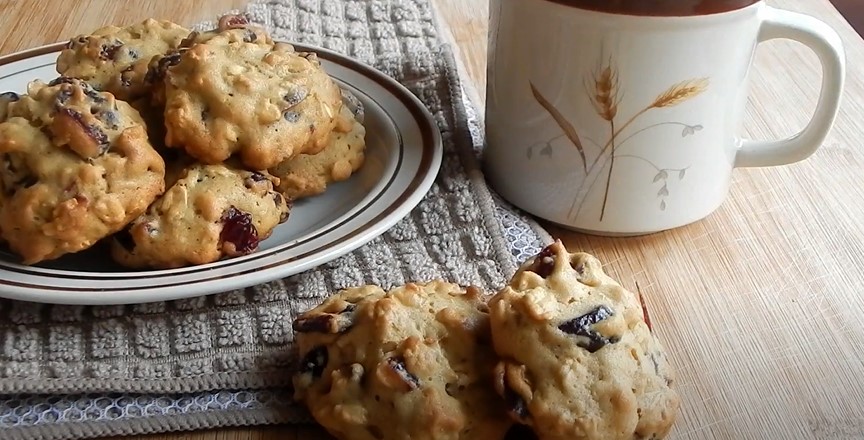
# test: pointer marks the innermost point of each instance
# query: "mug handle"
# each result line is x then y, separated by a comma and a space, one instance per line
822, 39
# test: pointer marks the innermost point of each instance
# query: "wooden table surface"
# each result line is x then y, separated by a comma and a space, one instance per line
760, 304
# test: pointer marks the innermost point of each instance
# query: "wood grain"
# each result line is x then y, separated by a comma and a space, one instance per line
760, 304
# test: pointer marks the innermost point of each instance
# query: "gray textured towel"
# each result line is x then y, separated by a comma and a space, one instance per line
147, 355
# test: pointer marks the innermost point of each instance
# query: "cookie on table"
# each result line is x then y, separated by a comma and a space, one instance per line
209, 212
309, 174
264, 103
116, 59
414, 362
579, 361
75, 167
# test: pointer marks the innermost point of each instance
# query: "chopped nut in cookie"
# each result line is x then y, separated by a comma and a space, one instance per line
581, 326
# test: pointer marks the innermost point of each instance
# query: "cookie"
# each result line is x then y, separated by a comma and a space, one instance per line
116, 59
209, 212
75, 167
309, 174
411, 363
579, 361
264, 103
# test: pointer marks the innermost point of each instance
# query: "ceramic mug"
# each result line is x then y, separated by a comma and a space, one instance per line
621, 117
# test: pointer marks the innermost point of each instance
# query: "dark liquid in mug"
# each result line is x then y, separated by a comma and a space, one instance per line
666, 8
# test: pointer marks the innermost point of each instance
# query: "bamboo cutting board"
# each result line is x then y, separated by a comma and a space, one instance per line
760, 305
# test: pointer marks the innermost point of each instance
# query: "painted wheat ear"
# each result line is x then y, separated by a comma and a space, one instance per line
605, 96
680, 92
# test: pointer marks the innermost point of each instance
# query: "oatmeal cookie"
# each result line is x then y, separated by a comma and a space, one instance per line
75, 167
265, 103
209, 212
579, 361
116, 59
411, 363
309, 174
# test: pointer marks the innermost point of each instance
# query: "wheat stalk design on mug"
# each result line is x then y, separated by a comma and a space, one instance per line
604, 92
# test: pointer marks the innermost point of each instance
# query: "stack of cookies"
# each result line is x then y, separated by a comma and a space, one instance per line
173, 147
563, 351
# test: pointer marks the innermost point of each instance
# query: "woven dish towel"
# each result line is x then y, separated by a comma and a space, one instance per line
226, 359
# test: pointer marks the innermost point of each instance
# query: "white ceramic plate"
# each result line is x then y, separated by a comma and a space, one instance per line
402, 159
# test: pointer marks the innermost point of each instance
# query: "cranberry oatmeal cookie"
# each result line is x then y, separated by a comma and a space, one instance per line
264, 102
75, 167
309, 174
116, 59
579, 361
209, 212
414, 362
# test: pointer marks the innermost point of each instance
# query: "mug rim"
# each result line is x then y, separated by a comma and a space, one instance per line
562, 3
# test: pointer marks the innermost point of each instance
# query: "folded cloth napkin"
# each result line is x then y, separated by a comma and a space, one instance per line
226, 359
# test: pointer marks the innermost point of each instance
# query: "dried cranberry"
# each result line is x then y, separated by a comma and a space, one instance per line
253, 178
295, 97
12, 177
581, 326
326, 323
28, 181
109, 51
239, 230
124, 238
516, 404
397, 364
544, 262
9, 96
157, 72
232, 22
315, 362
92, 131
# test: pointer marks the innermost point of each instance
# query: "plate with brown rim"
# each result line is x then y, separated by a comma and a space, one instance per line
403, 155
